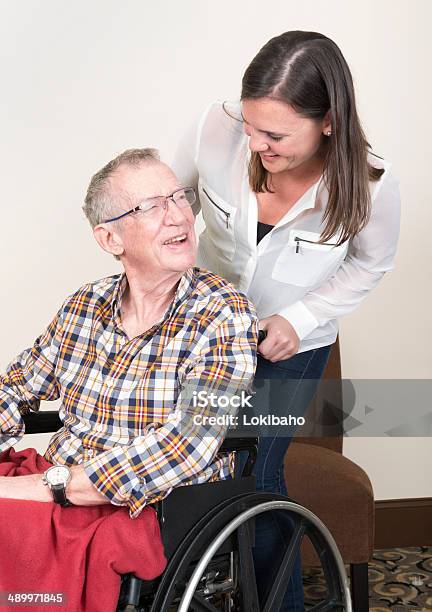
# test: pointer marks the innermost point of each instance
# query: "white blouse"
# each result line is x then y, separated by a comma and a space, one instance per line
287, 273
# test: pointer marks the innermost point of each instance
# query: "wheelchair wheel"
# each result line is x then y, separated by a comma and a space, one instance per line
227, 581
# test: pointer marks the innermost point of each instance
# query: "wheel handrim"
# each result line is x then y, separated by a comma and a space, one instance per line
244, 517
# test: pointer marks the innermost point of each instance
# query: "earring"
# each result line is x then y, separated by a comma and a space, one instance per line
328, 133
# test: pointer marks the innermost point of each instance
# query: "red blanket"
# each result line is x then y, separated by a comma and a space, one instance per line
79, 551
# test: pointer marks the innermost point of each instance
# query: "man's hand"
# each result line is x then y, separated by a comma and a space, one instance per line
80, 491
281, 342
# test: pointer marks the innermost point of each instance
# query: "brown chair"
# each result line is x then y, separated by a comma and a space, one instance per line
334, 488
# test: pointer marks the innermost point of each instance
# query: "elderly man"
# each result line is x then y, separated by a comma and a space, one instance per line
125, 354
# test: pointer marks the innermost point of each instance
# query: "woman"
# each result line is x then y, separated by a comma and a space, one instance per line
300, 215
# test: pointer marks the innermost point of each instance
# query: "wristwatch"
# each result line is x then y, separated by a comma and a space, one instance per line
57, 477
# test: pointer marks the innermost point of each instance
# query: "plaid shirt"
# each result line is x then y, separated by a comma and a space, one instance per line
126, 405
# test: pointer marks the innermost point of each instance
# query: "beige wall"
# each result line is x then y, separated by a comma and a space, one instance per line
81, 81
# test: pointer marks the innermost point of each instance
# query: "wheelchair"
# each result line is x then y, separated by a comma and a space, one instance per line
208, 535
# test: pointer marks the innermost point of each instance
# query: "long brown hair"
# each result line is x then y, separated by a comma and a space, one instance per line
308, 71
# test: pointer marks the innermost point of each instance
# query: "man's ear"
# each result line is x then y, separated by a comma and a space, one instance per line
109, 239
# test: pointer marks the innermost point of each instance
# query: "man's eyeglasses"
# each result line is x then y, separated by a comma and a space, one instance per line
183, 198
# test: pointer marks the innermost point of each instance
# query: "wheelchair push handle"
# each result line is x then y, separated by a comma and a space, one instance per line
262, 335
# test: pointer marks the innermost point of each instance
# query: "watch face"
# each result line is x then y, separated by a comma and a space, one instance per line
58, 474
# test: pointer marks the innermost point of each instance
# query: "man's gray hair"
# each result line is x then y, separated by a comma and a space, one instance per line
100, 202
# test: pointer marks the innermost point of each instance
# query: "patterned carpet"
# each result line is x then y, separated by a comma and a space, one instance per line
399, 580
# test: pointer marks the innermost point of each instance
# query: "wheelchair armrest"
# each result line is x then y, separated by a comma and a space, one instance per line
234, 444
44, 421
242, 444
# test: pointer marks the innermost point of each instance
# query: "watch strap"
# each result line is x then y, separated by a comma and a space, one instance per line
59, 495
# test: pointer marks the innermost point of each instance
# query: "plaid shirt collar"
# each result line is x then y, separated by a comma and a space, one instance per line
185, 287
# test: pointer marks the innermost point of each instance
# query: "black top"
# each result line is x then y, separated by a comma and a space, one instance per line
262, 230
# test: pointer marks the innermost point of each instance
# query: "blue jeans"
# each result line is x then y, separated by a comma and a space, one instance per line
272, 529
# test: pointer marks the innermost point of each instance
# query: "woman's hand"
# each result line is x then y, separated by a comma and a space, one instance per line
281, 342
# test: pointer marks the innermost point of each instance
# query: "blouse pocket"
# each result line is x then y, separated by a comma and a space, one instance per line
307, 263
219, 219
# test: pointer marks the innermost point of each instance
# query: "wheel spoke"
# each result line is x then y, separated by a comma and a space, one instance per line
329, 569
275, 597
326, 605
247, 569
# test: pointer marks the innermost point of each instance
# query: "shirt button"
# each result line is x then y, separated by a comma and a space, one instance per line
90, 453
109, 382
